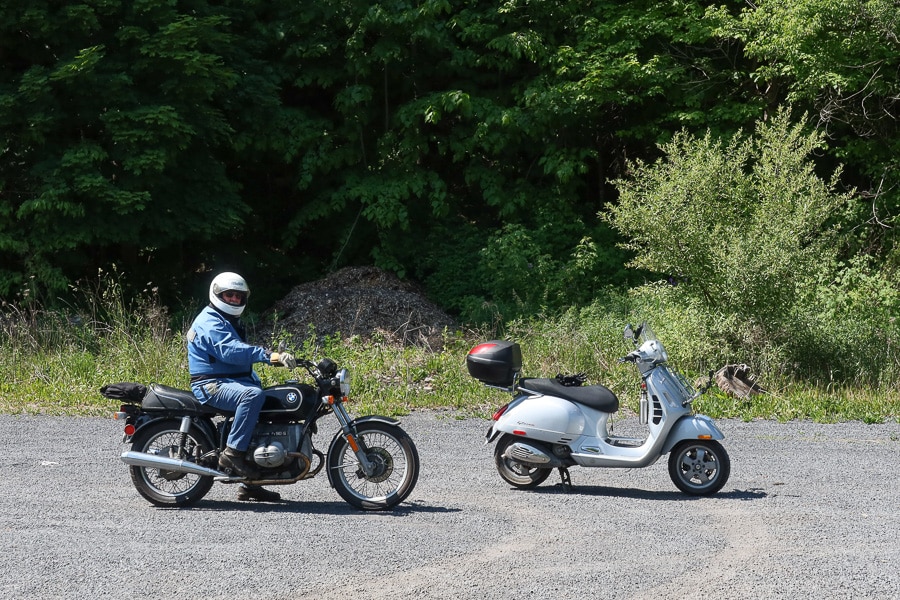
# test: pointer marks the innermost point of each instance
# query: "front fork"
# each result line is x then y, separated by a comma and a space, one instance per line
348, 430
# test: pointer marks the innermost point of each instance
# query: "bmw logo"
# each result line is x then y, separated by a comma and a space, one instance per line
293, 398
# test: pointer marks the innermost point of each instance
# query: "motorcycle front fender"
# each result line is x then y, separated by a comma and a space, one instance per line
375, 419
692, 427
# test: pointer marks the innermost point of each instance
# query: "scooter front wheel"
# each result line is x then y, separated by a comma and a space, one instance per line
699, 467
515, 473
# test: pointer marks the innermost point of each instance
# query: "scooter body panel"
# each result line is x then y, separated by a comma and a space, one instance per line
545, 418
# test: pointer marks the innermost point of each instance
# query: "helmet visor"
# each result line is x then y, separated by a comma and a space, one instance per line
234, 297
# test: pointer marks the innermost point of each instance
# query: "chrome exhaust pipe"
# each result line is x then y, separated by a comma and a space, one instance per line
154, 461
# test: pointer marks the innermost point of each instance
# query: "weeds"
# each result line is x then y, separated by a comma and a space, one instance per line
54, 362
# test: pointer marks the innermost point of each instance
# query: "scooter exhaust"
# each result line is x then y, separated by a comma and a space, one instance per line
531, 455
154, 461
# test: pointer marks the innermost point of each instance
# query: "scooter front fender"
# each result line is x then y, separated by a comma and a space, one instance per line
692, 427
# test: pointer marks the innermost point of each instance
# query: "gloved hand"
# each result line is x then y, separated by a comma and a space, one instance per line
283, 358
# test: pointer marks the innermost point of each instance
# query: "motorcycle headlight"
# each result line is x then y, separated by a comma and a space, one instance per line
344, 379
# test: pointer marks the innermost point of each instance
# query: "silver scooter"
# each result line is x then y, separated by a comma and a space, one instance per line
559, 423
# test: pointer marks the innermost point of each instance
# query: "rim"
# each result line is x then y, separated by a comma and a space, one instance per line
165, 482
515, 472
391, 473
698, 466
521, 472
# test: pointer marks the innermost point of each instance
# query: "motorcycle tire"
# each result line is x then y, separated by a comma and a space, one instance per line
160, 486
699, 467
397, 467
515, 473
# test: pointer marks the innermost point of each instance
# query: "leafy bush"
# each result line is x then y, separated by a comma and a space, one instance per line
749, 238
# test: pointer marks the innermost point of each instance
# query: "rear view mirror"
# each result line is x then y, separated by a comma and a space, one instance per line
629, 333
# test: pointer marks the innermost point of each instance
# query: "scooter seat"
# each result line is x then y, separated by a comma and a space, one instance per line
597, 396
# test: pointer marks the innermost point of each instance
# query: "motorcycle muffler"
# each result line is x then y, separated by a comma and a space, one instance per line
154, 461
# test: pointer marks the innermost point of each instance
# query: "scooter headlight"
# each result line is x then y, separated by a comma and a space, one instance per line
344, 379
652, 351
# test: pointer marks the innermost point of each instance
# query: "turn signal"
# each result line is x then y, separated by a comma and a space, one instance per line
704, 436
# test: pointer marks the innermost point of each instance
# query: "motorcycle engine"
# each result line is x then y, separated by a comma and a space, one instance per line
272, 442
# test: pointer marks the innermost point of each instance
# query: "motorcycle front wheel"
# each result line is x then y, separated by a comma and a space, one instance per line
396, 461
515, 473
162, 487
699, 467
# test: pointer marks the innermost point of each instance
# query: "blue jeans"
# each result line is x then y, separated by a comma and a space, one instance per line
242, 396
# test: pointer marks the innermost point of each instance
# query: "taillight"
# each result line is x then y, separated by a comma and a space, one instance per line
500, 412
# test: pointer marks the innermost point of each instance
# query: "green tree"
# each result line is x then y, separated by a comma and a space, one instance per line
838, 59
111, 137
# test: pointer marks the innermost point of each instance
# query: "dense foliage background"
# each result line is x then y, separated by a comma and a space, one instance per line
518, 158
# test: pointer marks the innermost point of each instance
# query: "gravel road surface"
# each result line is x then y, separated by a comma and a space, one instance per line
810, 511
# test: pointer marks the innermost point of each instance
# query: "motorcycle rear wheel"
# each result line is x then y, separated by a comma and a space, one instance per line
160, 486
699, 467
397, 467
515, 473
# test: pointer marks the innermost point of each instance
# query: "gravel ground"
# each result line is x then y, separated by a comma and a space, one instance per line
810, 511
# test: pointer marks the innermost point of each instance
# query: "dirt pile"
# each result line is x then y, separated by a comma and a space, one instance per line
361, 301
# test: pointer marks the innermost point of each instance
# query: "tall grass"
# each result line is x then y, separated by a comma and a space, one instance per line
55, 361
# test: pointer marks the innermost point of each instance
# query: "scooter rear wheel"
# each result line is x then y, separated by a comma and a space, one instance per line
699, 467
515, 473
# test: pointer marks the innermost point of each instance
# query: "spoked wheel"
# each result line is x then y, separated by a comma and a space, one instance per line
515, 473
699, 467
163, 487
396, 461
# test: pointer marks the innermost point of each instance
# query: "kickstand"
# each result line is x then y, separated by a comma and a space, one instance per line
566, 480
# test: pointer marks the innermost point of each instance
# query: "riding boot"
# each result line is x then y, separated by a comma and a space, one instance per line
232, 461
254, 492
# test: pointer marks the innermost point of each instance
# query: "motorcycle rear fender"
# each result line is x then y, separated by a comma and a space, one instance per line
204, 425
692, 427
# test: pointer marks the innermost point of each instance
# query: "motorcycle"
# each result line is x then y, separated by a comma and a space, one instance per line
559, 423
176, 442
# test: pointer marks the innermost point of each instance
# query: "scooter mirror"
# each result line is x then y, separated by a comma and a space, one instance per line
629, 333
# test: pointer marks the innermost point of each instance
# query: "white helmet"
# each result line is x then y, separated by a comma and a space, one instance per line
229, 282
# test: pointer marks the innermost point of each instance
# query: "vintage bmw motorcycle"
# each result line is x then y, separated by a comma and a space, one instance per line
175, 440
559, 423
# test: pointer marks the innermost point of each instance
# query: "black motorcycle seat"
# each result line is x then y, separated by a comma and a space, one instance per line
596, 396
165, 398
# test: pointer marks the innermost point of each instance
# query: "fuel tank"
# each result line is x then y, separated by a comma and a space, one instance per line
544, 418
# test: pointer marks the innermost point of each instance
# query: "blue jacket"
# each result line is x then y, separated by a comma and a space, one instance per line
217, 350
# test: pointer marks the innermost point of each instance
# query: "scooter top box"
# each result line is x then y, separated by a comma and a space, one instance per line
495, 362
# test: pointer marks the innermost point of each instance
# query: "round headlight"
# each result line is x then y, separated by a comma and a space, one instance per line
344, 379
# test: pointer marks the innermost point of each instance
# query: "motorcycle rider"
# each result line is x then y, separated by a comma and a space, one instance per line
221, 366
